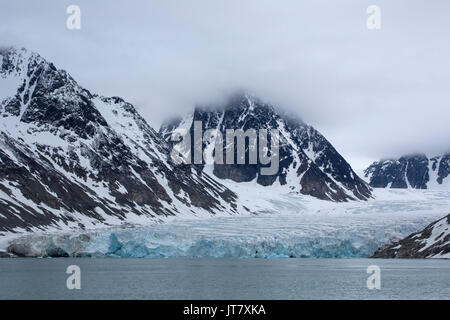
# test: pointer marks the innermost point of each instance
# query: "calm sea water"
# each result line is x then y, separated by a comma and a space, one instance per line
224, 279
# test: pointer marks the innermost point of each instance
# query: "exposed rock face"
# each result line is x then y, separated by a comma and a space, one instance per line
431, 242
71, 158
309, 164
414, 171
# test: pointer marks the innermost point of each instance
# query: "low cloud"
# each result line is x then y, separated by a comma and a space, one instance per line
372, 93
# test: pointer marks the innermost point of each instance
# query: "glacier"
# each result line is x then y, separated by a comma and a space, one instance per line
296, 227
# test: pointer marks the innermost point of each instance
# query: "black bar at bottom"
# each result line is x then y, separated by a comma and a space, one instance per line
222, 309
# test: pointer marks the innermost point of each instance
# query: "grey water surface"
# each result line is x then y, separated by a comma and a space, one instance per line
204, 278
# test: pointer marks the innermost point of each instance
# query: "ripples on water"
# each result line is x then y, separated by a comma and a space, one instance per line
224, 279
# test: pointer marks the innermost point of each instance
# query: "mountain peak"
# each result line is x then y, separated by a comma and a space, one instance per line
35, 91
308, 163
15, 61
417, 171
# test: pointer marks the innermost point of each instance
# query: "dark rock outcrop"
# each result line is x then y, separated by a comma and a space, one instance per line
431, 242
413, 171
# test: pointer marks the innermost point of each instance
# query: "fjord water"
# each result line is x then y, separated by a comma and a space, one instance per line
180, 278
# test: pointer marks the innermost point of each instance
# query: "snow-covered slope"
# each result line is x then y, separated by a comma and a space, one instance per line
71, 158
431, 242
414, 171
309, 164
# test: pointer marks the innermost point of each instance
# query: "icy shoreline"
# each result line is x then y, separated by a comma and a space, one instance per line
291, 226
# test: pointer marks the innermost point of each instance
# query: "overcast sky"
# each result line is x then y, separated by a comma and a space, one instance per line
372, 93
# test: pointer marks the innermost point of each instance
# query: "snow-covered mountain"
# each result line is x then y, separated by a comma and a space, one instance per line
413, 171
71, 158
309, 164
431, 242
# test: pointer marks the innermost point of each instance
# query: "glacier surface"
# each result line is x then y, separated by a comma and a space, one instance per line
293, 227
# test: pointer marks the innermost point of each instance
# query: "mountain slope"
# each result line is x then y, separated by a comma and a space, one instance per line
431, 242
412, 171
309, 164
71, 158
